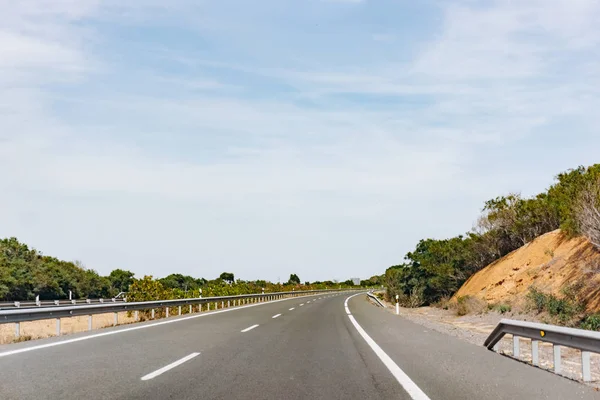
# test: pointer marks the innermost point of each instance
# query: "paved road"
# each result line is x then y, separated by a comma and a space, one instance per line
300, 348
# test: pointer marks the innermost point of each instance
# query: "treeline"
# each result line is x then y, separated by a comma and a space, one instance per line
26, 273
436, 269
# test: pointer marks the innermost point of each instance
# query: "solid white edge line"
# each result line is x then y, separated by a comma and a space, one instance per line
249, 328
164, 369
404, 380
135, 328
276, 315
292, 309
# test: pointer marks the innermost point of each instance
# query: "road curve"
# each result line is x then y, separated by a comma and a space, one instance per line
276, 350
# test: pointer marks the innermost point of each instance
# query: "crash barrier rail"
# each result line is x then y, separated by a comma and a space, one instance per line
586, 341
55, 303
19, 315
372, 296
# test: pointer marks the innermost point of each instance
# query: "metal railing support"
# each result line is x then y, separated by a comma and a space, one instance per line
586, 371
557, 359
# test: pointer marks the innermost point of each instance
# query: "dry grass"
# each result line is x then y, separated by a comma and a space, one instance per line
47, 328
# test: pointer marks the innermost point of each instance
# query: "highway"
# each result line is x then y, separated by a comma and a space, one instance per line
315, 347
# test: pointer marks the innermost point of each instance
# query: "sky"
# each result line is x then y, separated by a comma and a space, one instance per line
270, 137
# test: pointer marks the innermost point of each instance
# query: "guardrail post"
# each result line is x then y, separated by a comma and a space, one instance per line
557, 359
190, 308
89, 322
167, 312
116, 321
516, 347
57, 326
227, 303
152, 313
56, 302
216, 305
179, 310
17, 329
136, 315
585, 366
535, 352
222, 304
74, 302
101, 300
17, 304
88, 301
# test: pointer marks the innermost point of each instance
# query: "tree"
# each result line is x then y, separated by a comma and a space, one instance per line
227, 277
588, 212
294, 280
120, 280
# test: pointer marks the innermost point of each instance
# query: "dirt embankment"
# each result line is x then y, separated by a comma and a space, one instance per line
549, 263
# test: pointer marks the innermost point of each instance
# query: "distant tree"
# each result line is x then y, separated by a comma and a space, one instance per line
227, 277
182, 282
120, 280
294, 280
307, 283
349, 282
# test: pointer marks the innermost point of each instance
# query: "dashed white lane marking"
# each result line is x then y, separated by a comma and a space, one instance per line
292, 309
411, 388
249, 328
276, 315
161, 371
301, 305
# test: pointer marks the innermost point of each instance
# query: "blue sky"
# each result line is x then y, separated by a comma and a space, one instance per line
317, 137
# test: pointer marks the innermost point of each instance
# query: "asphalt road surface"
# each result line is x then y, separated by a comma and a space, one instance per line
317, 347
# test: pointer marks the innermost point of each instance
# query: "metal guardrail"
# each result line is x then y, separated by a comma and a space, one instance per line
376, 299
54, 303
586, 341
18, 315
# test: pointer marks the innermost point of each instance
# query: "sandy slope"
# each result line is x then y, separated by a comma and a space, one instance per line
549, 263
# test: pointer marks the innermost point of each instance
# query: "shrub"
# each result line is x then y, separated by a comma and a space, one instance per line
461, 305
591, 322
537, 299
564, 310
503, 308
469, 305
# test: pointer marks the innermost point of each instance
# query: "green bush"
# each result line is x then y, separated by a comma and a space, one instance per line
503, 308
537, 299
564, 310
591, 322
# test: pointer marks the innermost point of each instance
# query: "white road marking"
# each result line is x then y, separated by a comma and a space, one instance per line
301, 305
292, 309
276, 315
168, 367
411, 388
134, 328
249, 328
